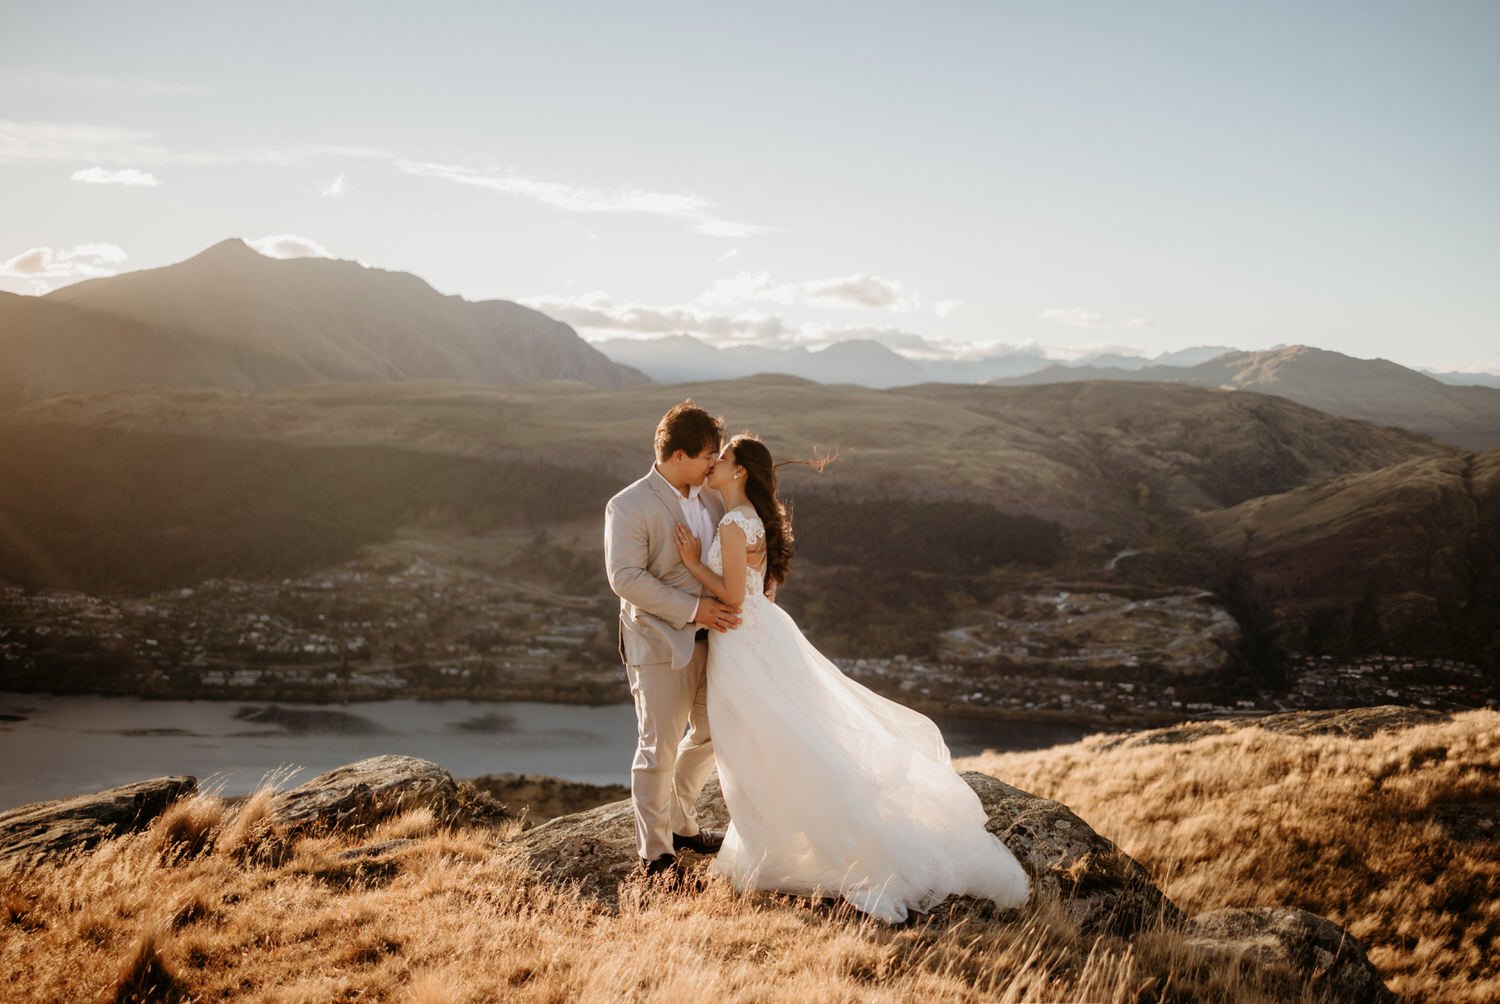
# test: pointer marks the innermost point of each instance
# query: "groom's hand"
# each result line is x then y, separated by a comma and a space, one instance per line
717, 616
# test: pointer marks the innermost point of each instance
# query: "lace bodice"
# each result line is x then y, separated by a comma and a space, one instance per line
755, 550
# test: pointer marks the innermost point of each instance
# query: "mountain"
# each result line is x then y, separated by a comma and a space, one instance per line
1374, 390
233, 318
683, 358
1465, 379
868, 363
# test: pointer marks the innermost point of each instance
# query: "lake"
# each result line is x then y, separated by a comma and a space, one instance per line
55, 746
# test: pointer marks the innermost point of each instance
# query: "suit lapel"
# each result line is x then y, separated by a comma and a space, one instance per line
666, 494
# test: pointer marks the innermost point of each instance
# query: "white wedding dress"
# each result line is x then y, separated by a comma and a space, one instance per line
832, 789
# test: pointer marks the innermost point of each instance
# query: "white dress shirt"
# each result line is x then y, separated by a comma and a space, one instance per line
695, 517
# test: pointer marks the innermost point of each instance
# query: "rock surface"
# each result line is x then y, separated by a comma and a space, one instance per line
1104, 889
1101, 888
30, 833
363, 793
1307, 944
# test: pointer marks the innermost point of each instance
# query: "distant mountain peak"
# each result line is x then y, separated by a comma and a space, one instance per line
233, 248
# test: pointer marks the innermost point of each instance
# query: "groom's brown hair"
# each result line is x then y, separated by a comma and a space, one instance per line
688, 428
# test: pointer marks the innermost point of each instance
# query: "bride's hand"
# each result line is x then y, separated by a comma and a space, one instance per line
687, 546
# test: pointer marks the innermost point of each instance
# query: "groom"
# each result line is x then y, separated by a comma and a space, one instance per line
665, 618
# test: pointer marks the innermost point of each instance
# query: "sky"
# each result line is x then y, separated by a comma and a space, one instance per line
947, 178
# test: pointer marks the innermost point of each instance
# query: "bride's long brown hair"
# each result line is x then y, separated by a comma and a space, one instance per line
760, 488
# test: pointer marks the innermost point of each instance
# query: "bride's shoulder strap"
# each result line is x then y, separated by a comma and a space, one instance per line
752, 525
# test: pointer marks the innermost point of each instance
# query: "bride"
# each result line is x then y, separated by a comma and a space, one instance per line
831, 788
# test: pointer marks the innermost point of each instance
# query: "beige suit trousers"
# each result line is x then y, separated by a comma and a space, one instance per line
674, 752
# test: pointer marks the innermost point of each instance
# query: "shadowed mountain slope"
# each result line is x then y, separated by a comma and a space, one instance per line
1078, 454
1408, 554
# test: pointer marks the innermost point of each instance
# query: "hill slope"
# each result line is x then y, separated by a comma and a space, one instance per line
1076, 454
1380, 819
1424, 536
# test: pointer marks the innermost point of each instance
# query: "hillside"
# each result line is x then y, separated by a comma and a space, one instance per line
232, 318
1382, 820
1426, 534
1377, 820
1373, 390
1075, 455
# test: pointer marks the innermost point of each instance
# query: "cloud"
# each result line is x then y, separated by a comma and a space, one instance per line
596, 315
289, 246
1078, 317
126, 176
870, 292
86, 261
335, 189
727, 255
22, 142
295, 156
41, 142
571, 198
595, 311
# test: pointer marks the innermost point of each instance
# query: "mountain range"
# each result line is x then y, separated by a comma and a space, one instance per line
1374, 390
231, 317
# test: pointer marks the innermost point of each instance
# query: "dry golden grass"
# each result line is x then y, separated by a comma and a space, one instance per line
1395, 837
211, 903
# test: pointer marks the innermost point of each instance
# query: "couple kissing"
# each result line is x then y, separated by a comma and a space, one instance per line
832, 789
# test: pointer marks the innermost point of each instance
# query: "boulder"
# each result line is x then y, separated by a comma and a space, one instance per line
32, 833
361, 794
596, 849
1310, 946
1104, 889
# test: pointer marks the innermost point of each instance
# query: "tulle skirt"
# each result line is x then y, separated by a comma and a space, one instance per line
834, 790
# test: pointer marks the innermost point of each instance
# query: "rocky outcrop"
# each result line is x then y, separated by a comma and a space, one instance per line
1104, 889
360, 794
1100, 887
30, 833
1302, 942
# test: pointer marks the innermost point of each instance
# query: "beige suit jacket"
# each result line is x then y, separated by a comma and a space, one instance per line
657, 592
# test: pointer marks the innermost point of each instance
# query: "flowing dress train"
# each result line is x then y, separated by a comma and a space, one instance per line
831, 788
